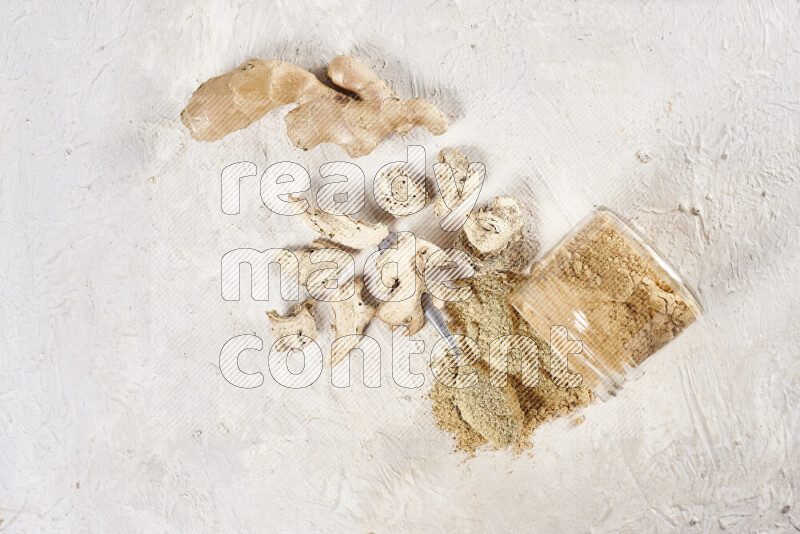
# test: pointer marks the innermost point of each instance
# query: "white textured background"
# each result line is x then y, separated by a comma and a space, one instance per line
683, 116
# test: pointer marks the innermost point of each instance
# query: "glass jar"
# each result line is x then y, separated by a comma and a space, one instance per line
606, 300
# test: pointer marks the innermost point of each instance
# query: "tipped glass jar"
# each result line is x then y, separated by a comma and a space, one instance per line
614, 294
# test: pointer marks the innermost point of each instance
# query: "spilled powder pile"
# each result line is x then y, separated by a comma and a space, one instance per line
483, 413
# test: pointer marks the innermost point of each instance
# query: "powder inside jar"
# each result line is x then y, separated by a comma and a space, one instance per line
613, 293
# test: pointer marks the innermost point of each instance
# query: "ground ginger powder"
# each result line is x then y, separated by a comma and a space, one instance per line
603, 283
507, 416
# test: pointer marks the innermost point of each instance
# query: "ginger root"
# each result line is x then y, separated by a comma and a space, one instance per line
304, 265
400, 195
494, 236
301, 322
394, 310
350, 317
424, 249
458, 187
490, 231
352, 233
235, 100
406, 312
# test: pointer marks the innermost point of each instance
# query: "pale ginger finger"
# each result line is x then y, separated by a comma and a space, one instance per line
235, 100
354, 76
359, 125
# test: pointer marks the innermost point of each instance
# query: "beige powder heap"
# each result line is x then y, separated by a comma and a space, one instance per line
507, 416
